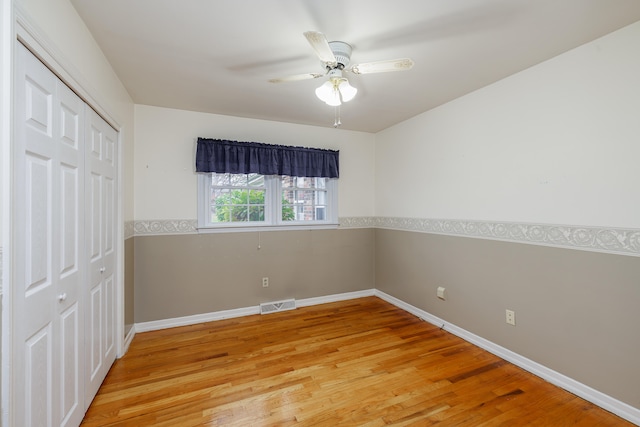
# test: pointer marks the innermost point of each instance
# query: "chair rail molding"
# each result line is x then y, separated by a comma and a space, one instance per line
622, 241
164, 226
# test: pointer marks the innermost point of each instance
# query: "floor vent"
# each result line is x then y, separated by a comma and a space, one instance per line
272, 307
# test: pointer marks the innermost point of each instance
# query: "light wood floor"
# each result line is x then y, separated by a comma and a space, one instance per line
361, 362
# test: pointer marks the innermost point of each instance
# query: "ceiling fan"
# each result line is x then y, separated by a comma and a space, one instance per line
335, 57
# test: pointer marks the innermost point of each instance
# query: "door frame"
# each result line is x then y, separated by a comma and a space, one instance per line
17, 26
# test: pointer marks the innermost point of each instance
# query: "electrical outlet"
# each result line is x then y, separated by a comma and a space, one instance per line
265, 282
511, 317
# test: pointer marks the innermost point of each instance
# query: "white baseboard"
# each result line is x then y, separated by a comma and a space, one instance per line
239, 312
604, 401
335, 297
196, 318
127, 340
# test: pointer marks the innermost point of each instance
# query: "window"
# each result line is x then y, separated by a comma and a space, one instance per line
241, 201
236, 198
307, 198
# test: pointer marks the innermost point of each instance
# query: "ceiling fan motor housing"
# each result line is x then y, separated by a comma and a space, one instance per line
342, 52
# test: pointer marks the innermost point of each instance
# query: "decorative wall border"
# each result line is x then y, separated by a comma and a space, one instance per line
600, 239
623, 241
358, 222
128, 229
164, 226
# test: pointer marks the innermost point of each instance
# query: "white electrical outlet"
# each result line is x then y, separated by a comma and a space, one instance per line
265, 282
441, 292
511, 317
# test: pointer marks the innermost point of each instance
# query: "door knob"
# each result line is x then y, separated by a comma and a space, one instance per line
103, 269
62, 296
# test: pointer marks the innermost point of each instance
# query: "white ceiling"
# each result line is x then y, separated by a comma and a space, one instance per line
217, 56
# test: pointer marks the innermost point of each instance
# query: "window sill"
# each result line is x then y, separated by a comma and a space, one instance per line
231, 229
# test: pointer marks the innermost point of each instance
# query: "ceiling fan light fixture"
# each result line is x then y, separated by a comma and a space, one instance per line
335, 91
328, 93
347, 91
335, 57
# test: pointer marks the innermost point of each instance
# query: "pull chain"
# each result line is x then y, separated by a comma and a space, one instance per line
336, 121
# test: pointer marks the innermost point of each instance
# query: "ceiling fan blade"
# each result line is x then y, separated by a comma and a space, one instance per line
401, 64
296, 78
320, 44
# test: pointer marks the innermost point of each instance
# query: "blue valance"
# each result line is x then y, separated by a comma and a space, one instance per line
221, 156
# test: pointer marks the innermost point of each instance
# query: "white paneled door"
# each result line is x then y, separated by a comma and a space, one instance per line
100, 239
64, 253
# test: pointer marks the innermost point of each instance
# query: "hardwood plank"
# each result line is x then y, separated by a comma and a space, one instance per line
361, 362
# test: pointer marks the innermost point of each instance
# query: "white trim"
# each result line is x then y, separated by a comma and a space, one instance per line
335, 298
260, 228
604, 401
1, 269
7, 40
164, 227
127, 340
239, 312
120, 236
155, 325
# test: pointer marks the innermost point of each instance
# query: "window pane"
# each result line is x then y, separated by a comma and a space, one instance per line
237, 180
216, 192
288, 213
239, 213
301, 182
303, 205
287, 181
213, 215
255, 180
237, 197
256, 197
218, 179
256, 213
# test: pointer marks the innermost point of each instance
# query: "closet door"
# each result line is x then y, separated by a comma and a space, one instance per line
101, 155
48, 208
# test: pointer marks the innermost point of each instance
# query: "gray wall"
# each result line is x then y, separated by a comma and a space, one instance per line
576, 311
182, 275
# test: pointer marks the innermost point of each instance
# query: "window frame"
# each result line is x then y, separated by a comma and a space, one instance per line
273, 209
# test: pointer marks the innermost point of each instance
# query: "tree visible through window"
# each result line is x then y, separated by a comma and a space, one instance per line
254, 199
237, 197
